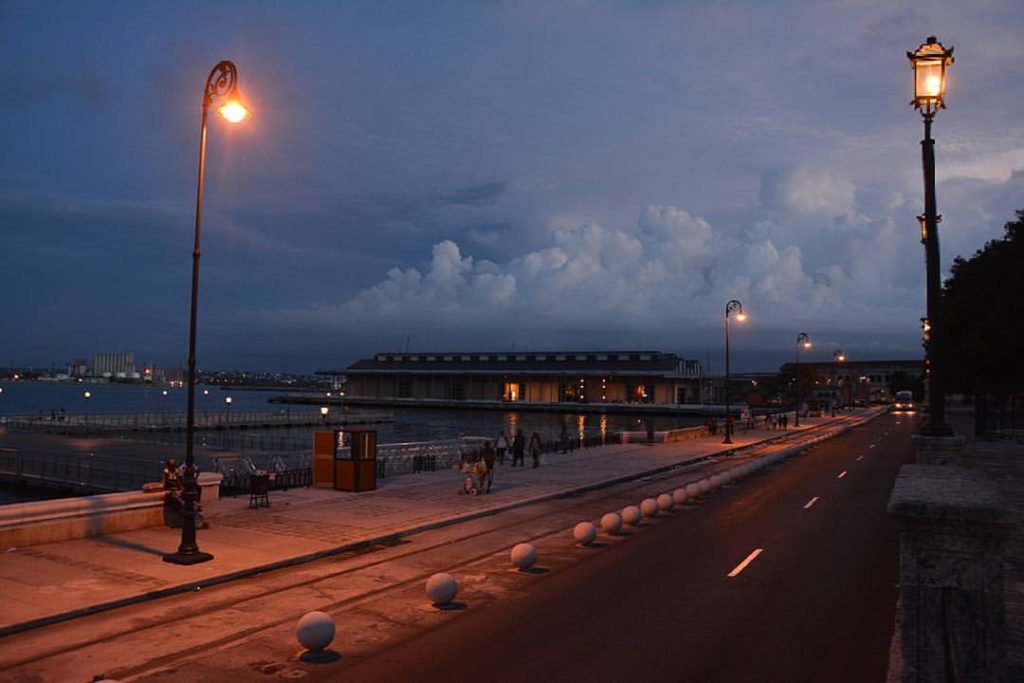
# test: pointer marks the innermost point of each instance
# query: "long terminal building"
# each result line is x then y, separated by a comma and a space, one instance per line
581, 378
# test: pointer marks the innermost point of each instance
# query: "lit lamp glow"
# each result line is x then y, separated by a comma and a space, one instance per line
929, 63
233, 111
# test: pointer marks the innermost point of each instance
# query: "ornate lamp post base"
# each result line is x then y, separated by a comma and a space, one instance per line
188, 558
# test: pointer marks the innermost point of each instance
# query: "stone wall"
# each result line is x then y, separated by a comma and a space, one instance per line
950, 620
49, 521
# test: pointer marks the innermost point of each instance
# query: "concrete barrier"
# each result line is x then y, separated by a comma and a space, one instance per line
61, 519
584, 533
665, 436
679, 495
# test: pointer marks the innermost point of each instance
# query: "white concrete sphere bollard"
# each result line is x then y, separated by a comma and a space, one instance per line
704, 485
717, 480
631, 515
315, 631
679, 495
584, 533
611, 523
442, 588
523, 555
665, 502
649, 507
692, 490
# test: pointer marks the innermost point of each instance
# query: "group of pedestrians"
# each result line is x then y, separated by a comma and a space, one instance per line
775, 421
480, 473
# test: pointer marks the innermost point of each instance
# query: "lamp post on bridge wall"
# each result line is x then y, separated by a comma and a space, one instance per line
929, 63
221, 84
732, 306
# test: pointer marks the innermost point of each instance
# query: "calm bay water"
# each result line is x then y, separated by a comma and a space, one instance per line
410, 424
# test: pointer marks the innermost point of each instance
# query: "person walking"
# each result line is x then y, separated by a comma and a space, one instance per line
535, 448
501, 446
563, 438
488, 455
518, 447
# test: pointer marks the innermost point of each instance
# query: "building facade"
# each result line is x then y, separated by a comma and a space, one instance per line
853, 380
557, 377
113, 364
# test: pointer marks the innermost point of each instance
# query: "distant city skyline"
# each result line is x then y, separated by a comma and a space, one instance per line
536, 175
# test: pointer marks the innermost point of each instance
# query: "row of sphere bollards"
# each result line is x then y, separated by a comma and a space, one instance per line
315, 630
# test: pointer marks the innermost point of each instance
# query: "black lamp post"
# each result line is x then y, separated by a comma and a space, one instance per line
222, 83
838, 357
804, 340
732, 306
929, 63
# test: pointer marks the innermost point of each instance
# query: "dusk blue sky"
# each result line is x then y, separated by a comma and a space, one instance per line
478, 175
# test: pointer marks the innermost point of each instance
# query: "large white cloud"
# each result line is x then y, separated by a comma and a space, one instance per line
816, 258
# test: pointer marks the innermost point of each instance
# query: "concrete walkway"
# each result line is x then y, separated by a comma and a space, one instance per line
52, 582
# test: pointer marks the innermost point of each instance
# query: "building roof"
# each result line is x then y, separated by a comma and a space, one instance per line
524, 363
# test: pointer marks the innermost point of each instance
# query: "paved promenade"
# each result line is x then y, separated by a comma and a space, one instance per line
51, 582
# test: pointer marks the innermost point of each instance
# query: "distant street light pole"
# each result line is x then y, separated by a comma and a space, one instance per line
838, 357
222, 83
732, 306
87, 395
804, 340
323, 414
929, 63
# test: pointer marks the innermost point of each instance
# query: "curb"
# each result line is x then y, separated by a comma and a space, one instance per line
430, 526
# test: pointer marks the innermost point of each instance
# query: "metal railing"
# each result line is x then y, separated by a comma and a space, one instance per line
286, 470
83, 472
82, 423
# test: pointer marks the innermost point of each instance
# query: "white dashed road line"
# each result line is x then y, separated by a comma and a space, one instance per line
743, 565
860, 457
811, 502
841, 474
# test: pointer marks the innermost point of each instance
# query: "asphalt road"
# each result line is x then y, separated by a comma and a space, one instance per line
816, 603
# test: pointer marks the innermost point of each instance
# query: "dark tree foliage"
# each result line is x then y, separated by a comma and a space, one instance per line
983, 305
901, 381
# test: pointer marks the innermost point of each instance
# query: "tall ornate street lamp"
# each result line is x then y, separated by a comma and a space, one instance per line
838, 357
221, 85
732, 306
804, 340
929, 63
323, 414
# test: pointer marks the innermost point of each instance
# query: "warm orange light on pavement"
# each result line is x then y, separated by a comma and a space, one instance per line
233, 111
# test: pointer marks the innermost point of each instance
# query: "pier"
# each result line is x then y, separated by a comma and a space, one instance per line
82, 424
